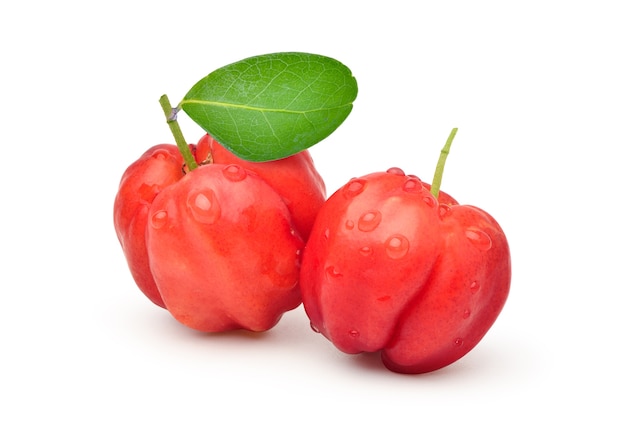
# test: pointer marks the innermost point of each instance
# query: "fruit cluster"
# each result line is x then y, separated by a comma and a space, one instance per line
387, 263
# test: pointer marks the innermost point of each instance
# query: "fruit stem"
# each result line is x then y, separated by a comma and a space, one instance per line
436, 184
183, 147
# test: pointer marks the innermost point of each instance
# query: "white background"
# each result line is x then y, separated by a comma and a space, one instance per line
537, 89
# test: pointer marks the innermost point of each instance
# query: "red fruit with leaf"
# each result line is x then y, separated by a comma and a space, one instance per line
214, 232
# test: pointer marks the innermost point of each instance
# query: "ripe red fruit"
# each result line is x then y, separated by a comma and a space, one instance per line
388, 267
218, 246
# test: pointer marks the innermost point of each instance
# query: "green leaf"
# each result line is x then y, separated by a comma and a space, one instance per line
272, 106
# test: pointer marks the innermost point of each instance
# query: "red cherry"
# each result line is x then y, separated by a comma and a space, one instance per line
390, 267
158, 194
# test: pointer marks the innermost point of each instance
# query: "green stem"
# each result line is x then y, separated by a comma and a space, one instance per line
436, 184
183, 147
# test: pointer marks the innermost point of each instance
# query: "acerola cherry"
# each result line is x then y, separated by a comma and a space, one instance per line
221, 250
389, 267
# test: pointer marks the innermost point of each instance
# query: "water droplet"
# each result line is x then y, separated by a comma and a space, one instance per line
466, 314
365, 251
349, 224
160, 154
479, 238
327, 233
314, 328
333, 273
430, 201
159, 219
204, 206
383, 298
413, 184
234, 173
397, 246
458, 342
354, 333
474, 287
395, 170
444, 210
354, 187
370, 220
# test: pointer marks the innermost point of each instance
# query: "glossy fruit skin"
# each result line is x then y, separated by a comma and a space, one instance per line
237, 268
388, 268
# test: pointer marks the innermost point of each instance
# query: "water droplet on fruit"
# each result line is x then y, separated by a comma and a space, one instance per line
204, 206
397, 246
458, 342
349, 224
474, 287
395, 170
234, 173
314, 328
160, 154
354, 187
479, 238
159, 219
354, 333
333, 273
327, 233
383, 298
466, 314
444, 210
413, 184
430, 201
365, 251
370, 220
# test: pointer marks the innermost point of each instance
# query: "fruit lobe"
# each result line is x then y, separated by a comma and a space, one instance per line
390, 268
156, 169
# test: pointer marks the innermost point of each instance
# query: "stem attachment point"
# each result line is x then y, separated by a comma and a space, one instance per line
173, 116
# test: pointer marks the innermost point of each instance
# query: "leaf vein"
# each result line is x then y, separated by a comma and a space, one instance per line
258, 109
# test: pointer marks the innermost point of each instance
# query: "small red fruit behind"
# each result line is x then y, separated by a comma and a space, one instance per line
391, 268
294, 178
